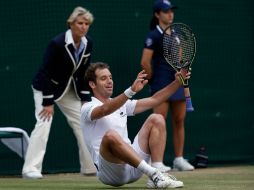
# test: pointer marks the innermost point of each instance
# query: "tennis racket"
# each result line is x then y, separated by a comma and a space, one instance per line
179, 47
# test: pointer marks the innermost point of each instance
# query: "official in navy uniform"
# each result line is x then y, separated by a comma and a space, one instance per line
60, 81
160, 74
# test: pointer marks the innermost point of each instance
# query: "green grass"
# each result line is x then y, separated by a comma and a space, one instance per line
215, 178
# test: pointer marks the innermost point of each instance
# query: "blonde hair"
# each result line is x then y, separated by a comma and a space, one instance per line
80, 11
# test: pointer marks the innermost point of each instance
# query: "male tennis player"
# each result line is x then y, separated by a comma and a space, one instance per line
104, 125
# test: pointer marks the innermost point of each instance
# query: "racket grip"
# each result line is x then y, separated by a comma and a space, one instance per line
186, 83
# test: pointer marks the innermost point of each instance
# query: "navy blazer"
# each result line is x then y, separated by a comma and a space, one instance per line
59, 70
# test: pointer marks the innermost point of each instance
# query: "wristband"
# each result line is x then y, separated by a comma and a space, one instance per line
129, 93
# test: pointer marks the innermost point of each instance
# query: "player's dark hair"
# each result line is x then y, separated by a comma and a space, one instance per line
154, 21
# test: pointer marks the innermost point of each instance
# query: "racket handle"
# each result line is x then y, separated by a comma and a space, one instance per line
186, 84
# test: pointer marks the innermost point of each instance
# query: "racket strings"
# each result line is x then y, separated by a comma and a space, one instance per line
179, 46
170, 49
188, 45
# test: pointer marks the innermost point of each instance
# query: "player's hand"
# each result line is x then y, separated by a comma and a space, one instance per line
140, 82
183, 74
47, 112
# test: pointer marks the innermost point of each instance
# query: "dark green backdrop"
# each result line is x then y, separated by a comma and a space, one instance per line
221, 85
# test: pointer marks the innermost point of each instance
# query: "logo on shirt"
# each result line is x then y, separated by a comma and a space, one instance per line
149, 42
122, 114
177, 40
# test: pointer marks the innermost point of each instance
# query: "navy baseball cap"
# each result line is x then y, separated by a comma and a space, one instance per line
163, 5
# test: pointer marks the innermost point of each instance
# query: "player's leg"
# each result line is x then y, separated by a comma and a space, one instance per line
162, 109
70, 107
115, 153
114, 149
178, 117
37, 143
152, 137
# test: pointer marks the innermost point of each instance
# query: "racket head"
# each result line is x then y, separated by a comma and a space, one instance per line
179, 45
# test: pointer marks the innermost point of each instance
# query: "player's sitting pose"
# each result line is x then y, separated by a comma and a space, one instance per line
104, 123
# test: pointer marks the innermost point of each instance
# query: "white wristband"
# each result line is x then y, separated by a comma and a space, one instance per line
129, 93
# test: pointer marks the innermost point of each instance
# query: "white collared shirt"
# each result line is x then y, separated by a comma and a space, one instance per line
94, 130
69, 40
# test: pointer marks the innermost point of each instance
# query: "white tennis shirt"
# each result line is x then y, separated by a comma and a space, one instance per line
94, 131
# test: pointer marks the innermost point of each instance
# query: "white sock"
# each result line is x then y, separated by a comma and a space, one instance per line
146, 168
157, 164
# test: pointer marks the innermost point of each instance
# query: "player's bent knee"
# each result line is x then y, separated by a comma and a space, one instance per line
157, 120
111, 137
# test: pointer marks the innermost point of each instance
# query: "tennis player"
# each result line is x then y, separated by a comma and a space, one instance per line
104, 125
160, 74
60, 81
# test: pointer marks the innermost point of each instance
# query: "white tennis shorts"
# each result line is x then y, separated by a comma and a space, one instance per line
120, 174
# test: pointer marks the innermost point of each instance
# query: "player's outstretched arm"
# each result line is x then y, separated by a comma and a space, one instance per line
113, 104
162, 95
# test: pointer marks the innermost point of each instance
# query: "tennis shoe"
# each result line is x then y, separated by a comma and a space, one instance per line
180, 164
174, 182
32, 175
162, 180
